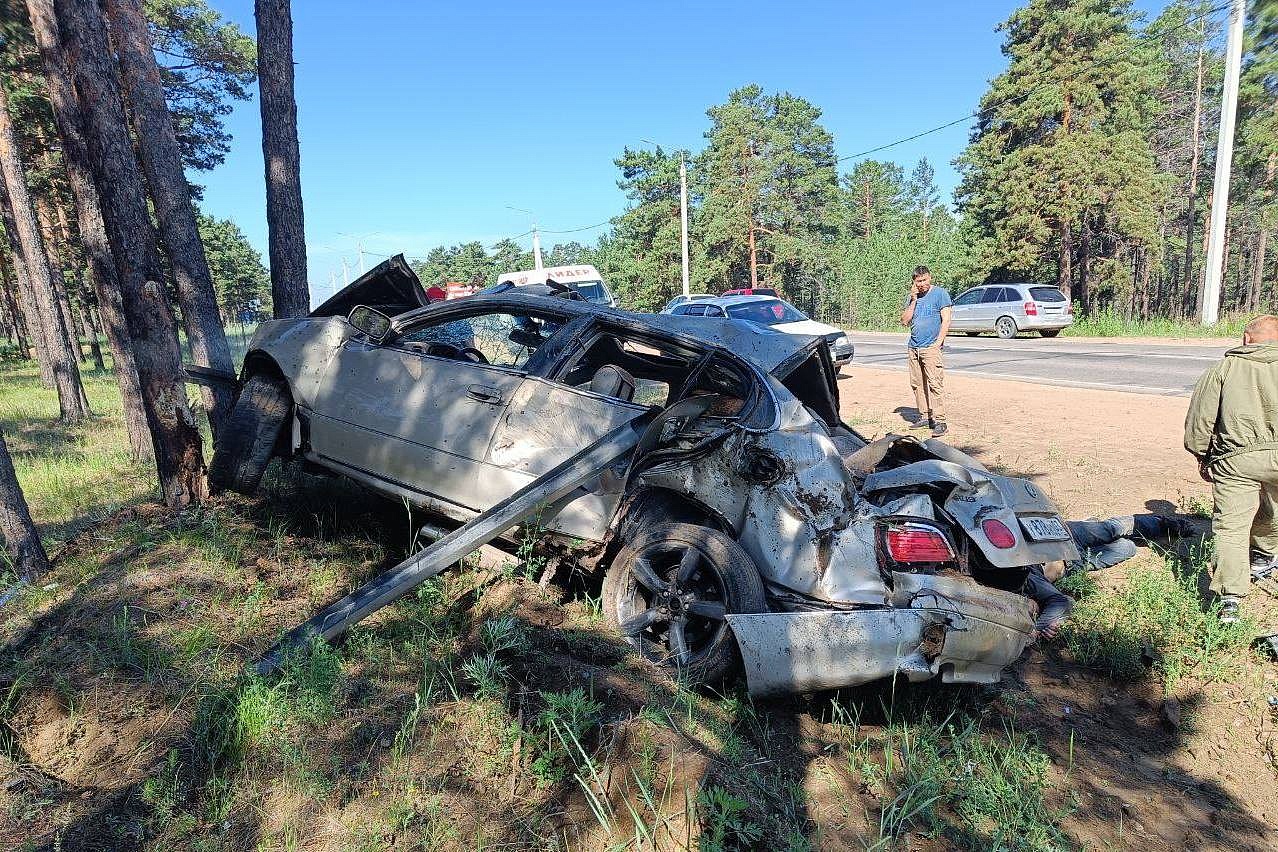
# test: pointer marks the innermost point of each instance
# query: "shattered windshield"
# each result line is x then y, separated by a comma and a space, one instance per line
592, 291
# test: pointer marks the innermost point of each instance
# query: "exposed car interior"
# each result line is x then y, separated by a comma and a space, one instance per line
628, 367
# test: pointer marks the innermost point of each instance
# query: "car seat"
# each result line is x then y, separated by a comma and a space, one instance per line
611, 380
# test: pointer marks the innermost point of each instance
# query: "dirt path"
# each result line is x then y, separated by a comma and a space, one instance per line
1095, 452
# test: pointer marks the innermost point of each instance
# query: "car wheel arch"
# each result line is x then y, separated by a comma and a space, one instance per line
652, 505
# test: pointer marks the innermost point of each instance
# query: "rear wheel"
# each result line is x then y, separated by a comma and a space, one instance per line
247, 437
668, 591
1050, 332
1006, 328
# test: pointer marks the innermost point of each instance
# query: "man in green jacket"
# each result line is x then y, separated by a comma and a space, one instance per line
1232, 429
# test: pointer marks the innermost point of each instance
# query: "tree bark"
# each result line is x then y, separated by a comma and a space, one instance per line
94, 334
162, 163
1085, 262
285, 223
20, 536
1064, 262
1192, 195
26, 301
56, 253
175, 436
66, 373
88, 212
11, 305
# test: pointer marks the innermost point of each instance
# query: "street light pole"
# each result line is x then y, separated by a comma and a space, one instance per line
1209, 309
683, 216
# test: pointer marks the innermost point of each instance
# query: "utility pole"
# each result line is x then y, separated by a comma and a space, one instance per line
536, 247
1209, 310
683, 216
683, 207
360, 247
536, 236
346, 272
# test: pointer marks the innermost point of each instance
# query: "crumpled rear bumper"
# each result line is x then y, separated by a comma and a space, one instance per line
947, 626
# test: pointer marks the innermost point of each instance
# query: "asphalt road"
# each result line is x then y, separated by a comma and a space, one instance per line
1168, 370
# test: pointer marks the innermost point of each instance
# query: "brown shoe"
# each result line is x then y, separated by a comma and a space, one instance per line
939, 429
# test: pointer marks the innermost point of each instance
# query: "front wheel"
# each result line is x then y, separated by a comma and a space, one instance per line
1006, 328
669, 590
247, 437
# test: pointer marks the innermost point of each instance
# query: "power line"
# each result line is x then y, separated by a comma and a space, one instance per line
1141, 37
576, 230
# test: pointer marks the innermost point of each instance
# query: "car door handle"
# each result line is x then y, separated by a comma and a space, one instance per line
484, 393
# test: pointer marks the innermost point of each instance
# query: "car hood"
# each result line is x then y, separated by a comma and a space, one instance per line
391, 286
807, 326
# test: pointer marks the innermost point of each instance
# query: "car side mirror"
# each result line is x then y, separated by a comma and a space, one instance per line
526, 338
370, 321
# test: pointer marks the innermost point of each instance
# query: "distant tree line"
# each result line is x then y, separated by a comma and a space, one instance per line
1089, 167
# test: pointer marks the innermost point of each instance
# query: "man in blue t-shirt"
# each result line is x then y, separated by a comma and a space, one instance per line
928, 315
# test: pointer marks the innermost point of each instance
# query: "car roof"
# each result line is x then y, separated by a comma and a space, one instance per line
728, 301
758, 344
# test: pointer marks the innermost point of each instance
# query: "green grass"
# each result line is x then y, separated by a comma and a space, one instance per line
1157, 621
70, 476
1111, 324
953, 780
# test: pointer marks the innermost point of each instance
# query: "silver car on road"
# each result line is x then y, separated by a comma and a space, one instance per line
1007, 309
748, 525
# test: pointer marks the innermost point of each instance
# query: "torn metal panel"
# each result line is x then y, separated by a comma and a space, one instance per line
981, 496
963, 635
547, 491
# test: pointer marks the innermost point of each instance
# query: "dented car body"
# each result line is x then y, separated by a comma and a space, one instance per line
747, 519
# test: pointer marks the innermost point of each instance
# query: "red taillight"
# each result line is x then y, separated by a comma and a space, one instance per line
917, 543
998, 534
1031, 309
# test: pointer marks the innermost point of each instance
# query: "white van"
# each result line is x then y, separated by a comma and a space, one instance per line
583, 276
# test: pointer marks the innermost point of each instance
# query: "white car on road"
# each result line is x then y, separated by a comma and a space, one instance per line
776, 313
1007, 309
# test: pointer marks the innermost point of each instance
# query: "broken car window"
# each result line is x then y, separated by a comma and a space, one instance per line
500, 339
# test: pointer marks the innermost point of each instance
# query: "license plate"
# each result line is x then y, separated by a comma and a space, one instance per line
1045, 529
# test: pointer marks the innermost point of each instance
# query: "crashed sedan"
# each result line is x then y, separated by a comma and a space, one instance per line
732, 517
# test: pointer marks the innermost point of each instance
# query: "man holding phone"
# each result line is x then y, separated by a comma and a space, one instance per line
927, 313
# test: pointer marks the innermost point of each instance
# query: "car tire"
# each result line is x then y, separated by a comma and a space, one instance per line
1050, 332
247, 437
1006, 328
722, 579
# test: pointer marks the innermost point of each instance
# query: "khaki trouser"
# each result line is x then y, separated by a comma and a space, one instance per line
927, 377
1244, 490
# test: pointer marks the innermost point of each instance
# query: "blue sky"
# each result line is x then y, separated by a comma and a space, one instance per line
422, 122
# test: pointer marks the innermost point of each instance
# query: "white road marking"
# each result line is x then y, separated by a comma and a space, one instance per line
1039, 380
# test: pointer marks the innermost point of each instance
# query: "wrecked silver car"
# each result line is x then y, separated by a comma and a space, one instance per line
734, 518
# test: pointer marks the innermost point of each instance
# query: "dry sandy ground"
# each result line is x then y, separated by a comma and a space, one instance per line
1095, 452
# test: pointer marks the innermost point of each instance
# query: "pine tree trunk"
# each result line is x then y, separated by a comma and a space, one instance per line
754, 260
176, 439
11, 305
20, 536
1064, 270
1262, 239
94, 334
58, 269
1192, 194
1085, 263
26, 301
290, 294
88, 212
174, 210
66, 373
